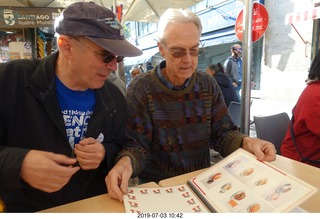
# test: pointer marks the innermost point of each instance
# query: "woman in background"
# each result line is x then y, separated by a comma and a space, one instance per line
224, 81
302, 141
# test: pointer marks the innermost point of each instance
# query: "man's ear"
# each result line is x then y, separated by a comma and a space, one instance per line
65, 45
161, 49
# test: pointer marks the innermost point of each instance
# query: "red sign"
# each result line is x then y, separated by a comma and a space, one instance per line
260, 20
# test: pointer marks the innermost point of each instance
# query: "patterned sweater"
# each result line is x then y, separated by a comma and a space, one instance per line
170, 132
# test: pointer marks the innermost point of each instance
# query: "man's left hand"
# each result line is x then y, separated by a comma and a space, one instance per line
89, 153
263, 150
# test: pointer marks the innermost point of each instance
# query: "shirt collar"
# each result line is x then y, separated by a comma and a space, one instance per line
166, 82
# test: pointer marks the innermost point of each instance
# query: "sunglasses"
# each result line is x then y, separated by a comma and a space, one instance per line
180, 53
107, 57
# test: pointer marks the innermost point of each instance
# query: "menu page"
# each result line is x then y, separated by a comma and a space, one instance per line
240, 183
163, 199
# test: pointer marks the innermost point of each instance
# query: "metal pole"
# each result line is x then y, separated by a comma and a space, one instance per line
115, 7
246, 69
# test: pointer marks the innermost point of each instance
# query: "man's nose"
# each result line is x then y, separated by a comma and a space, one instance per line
113, 65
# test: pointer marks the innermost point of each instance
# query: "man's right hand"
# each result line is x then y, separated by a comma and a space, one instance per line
117, 179
47, 171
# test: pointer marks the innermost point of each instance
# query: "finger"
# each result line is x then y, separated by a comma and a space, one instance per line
63, 159
64, 167
259, 154
124, 184
113, 189
86, 141
88, 164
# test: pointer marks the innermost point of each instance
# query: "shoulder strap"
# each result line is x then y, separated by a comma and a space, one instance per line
295, 143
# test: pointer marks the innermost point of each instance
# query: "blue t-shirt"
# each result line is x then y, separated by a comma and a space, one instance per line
77, 108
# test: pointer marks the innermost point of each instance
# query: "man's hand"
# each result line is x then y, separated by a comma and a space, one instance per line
263, 150
89, 153
118, 178
47, 171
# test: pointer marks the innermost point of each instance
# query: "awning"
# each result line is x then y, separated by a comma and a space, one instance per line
145, 57
220, 37
219, 40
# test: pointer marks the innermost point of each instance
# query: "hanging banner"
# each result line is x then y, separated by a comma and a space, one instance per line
310, 14
260, 21
16, 17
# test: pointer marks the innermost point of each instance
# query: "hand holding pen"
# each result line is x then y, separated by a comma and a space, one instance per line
89, 153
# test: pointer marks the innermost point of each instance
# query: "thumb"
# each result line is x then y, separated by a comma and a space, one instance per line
259, 154
63, 159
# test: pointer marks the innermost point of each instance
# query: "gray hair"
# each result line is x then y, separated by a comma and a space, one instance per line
173, 15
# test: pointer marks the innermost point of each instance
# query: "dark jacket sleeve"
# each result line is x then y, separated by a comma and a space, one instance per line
10, 157
10, 163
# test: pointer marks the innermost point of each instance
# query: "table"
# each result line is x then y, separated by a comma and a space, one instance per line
103, 203
98, 204
300, 170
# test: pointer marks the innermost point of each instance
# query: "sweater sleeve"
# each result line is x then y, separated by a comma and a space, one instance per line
225, 136
139, 128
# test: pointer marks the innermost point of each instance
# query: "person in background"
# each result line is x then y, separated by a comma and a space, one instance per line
118, 82
233, 67
149, 66
224, 81
62, 122
176, 113
302, 141
135, 71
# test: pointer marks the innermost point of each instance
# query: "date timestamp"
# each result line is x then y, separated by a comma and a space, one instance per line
159, 215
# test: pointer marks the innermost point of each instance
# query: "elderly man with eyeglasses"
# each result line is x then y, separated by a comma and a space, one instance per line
62, 122
176, 113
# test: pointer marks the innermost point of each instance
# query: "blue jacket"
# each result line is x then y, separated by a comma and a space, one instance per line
30, 118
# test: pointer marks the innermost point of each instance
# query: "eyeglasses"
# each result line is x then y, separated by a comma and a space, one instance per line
238, 49
180, 53
107, 57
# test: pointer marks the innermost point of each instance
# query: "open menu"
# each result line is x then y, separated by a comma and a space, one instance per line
238, 183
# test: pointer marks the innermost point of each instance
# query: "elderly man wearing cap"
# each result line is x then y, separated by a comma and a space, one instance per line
62, 122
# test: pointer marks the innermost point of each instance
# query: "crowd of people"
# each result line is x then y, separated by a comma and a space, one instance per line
68, 133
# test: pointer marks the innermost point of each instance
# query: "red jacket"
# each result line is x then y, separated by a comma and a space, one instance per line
306, 126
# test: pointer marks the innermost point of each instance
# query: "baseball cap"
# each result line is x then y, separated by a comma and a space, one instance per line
98, 24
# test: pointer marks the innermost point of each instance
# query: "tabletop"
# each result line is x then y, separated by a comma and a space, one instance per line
104, 204
98, 204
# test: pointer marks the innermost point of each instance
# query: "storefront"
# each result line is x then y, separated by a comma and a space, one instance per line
26, 32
